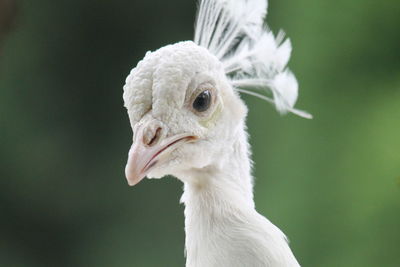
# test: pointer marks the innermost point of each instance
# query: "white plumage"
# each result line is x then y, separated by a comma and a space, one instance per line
189, 121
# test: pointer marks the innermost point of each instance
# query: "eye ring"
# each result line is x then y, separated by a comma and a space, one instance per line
203, 101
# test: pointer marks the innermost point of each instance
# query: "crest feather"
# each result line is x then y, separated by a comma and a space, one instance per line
253, 58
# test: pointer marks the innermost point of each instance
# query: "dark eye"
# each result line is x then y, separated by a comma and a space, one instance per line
202, 101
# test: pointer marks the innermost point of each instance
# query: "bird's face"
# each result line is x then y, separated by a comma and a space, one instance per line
183, 112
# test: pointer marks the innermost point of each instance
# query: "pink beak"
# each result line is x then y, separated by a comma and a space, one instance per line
143, 157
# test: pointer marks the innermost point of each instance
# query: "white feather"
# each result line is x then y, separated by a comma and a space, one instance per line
238, 53
234, 31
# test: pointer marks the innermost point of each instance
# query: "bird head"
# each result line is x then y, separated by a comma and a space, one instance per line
183, 112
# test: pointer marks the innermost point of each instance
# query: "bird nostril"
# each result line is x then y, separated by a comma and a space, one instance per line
155, 137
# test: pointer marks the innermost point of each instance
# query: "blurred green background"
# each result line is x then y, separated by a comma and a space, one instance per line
332, 184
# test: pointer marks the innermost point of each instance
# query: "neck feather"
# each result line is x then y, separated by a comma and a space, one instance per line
227, 183
212, 197
220, 216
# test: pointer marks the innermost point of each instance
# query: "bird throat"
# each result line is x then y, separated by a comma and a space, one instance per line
210, 207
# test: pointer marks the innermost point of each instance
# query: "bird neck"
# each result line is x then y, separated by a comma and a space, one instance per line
213, 197
223, 185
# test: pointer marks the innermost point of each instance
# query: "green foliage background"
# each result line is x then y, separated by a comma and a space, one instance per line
332, 184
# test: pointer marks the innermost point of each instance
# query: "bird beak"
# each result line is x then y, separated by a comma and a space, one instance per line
142, 158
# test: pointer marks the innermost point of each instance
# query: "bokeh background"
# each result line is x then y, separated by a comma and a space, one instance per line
332, 184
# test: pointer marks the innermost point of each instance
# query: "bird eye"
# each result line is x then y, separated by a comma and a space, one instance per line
202, 101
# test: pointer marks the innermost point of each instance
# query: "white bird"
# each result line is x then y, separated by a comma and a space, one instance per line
189, 121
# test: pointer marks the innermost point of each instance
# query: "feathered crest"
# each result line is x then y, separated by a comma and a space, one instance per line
253, 58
